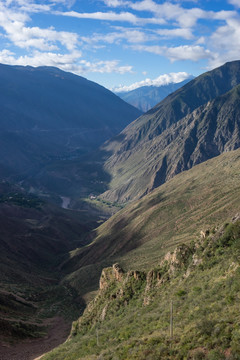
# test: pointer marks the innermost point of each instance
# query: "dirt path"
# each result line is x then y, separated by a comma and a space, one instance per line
58, 332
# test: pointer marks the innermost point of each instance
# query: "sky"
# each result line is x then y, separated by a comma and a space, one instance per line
121, 44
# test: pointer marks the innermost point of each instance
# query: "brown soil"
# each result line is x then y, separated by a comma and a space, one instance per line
58, 332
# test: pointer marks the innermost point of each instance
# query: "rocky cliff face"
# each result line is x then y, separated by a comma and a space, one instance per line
117, 286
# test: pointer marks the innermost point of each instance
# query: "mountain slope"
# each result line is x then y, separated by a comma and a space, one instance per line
35, 238
146, 97
186, 307
47, 113
142, 232
175, 134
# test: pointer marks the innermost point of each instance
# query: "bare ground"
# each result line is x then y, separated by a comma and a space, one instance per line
58, 332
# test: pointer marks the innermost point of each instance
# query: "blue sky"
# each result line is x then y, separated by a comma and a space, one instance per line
121, 44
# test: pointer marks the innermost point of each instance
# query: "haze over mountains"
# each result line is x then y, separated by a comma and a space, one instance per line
146, 97
49, 114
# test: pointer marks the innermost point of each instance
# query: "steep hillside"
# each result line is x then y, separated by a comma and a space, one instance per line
146, 97
35, 238
187, 307
48, 114
193, 124
142, 232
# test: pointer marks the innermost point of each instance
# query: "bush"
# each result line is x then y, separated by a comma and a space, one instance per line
215, 355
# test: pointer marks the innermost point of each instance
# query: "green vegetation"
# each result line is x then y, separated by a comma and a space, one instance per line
142, 232
130, 316
20, 199
24, 309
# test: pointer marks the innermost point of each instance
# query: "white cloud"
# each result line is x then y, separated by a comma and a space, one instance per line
13, 23
175, 13
27, 6
42, 39
42, 46
235, 3
201, 40
227, 37
61, 48
63, 61
105, 67
161, 80
173, 33
68, 3
67, 62
188, 52
110, 16
183, 52
226, 42
130, 35
32, 6
115, 3
165, 11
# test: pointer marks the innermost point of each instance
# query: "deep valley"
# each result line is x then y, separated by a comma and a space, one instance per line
120, 232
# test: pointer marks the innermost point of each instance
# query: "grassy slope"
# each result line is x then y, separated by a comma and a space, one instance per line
142, 232
129, 318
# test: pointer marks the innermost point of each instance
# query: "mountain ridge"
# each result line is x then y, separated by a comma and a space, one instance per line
45, 114
137, 164
146, 97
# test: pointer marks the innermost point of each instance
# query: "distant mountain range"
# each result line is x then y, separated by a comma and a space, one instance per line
50, 114
146, 97
195, 123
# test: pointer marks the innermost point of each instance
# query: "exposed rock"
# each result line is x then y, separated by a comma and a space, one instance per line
137, 275
204, 234
110, 274
178, 259
104, 312
172, 261
105, 278
196, 260
236, 217
118, 272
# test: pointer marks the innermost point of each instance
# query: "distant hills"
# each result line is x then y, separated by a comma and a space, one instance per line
50, 114
195, 123
146, 97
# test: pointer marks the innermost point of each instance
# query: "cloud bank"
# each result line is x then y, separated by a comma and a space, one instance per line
161, 80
